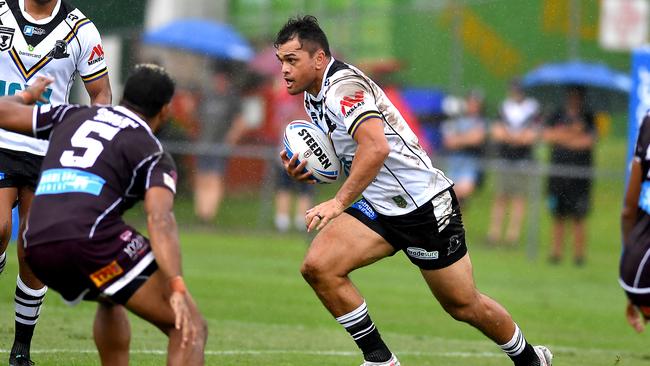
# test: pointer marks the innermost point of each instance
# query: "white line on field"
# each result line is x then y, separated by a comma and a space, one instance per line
270, 352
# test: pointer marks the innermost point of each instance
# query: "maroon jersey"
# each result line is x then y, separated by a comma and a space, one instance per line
100, 162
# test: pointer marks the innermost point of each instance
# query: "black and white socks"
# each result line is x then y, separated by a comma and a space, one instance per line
28, 304
365, 334
520, 351
3, 261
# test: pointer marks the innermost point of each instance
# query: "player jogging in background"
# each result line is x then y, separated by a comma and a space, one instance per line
38, 37
635, 227
100, 162
406, 203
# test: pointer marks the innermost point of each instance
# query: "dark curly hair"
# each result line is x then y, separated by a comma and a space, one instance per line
309, 34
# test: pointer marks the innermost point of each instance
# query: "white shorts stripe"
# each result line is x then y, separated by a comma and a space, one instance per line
130, 275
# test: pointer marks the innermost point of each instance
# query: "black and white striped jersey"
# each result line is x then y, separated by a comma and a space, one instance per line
100, 162
348, 98
60, 46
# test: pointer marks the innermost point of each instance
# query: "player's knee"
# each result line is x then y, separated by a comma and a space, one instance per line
464, 311
313, 270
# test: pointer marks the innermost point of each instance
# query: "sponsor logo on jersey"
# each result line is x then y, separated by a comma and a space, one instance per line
58, 181
420, 253
30, 54
2, 176
126, 235
136, 247
399, 201
106, 274
6, 38
350, 103
97, 55
13, 88
60, 50
317, 150
30, 30
365, 209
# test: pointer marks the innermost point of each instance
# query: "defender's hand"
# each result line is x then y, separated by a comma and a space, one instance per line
635, 318
294, 169
179, 302
319, 216
34, 93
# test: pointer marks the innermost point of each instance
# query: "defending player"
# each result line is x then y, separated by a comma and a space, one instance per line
407, 204
635, 227
100, 162
38, 37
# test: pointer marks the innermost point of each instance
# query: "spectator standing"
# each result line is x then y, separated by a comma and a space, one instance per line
514, 134
463, 140
572, 135
220, 125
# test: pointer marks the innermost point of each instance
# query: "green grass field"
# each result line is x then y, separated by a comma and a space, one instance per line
261, 312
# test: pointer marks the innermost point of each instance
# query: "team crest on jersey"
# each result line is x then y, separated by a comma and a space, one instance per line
400, 201
6, 38
60, 50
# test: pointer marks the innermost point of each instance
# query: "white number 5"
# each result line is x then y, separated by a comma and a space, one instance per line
81, 139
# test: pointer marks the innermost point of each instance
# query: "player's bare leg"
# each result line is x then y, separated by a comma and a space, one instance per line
151, 302
30, 291
112, 334
557, 241
333, 254
454, 288
7, 199
303, 203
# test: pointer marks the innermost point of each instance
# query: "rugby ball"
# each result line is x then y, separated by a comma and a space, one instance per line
312, 144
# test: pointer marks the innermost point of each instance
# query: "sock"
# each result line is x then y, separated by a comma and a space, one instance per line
520, 351
3, 261
282, 223
365, 334
299, 222
28, 307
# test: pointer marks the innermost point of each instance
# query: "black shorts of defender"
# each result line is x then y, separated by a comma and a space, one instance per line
19, 169
432, 236
108, 270
634, 271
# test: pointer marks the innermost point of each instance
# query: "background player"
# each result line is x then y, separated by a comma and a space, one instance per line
90, 253
38, 37
407, 204
635, 227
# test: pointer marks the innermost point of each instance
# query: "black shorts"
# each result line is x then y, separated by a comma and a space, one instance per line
19, 169
432, 236
634, 271
111, 269
569, 197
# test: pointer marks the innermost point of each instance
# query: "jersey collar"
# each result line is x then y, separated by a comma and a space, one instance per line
322, 85
29, 18
133, 116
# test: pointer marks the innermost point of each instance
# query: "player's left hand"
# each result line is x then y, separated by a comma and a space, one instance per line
635, 318
34, 92
183, 317
317, 217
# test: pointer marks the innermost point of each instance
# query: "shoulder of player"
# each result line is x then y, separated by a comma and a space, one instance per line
76, 19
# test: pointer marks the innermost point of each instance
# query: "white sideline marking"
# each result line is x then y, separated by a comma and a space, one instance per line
268, 352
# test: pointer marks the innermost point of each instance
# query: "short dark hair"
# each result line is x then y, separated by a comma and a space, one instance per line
309, 34
148, 88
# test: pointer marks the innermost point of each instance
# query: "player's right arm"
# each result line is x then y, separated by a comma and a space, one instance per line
17, 111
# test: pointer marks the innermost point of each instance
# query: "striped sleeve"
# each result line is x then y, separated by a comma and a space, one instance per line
92, 60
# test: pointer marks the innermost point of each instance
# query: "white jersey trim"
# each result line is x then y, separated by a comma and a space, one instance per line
29, 18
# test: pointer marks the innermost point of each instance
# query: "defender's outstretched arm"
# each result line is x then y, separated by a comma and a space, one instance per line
16, 111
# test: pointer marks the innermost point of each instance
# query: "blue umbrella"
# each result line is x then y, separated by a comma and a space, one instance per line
606, 88
201, 36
